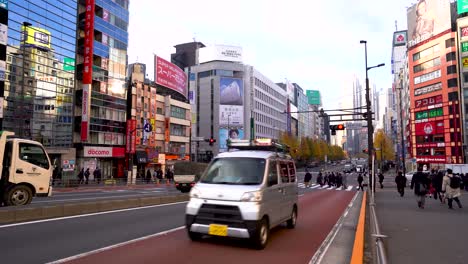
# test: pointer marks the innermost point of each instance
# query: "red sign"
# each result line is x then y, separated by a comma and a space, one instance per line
167, 134
428, 101
464, 32
88, 43
170, 75
131, 136
103, 152
429, 128
431, 159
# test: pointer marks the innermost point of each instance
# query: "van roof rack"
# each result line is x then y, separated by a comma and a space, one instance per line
266, 144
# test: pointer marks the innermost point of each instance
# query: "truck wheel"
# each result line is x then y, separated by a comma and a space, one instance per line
18, 195
291, 223
261, 235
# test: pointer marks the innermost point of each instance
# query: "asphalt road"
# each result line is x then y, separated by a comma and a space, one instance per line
46, 241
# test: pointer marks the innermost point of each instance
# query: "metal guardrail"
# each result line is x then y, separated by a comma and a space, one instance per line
106, 182
375, 233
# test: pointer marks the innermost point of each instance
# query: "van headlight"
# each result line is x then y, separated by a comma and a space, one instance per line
252, 197
195, 193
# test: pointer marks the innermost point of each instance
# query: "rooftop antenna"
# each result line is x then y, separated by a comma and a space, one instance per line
396, 25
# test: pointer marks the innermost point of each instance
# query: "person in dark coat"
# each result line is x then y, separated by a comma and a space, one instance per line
320, 179
307, 179
86, 174
420, 183
81, 176
437, 184
400, 181
360, 179
97, 175
148, 176
381, 178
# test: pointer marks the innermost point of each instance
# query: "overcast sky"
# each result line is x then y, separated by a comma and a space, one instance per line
312, 43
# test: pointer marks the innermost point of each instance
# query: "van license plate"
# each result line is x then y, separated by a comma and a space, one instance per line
218, 230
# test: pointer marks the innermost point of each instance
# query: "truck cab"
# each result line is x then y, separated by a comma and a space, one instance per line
25, 170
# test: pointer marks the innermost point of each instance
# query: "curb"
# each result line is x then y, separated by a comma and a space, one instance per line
30, 214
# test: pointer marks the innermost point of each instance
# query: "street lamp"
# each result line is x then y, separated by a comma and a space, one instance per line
370, 129
403, 160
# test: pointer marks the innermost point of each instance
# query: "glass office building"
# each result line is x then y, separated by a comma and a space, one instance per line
100, 121
39, 77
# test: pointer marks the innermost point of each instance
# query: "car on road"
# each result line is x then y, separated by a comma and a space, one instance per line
348, 168
244, 193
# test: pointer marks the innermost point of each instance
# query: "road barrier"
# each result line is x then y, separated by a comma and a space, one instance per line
22, 214
357, 256
375, 233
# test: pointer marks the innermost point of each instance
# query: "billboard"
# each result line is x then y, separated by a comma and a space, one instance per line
232, 133
429, 128
88, 43
85, 108
231, 102
220, 53
434, 100
170, 75
462, 6
36, 37
400, 38
68, 64
313, 97
3, 34
131, 136
427, 18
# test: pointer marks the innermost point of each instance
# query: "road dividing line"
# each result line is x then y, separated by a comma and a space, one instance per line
82, 255
358, 248
322, 250
91, 214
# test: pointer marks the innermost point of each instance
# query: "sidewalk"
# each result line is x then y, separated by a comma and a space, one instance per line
431, 235
108, 187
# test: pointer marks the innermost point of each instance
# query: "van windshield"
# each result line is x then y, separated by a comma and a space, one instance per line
239, 171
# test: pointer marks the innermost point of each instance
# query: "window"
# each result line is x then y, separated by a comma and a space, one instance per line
465, 77
178, 112
33, 154
292, 172
452, 82
451, 69
177, 130
284, 172
439, 151
453, 96
236, 171
159, 111
450, 43
272, 174
426, 65
451, 56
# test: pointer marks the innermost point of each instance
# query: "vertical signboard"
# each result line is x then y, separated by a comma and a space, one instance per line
87, 68
131, 136
167, 131
231, 109
170, 75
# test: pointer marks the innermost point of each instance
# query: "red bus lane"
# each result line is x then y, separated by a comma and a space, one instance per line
318, 213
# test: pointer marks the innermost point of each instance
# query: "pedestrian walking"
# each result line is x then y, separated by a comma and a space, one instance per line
437, 184
97, 175
345, 181
381, 178
451, 187
320, 179
400, 181
360, 179
420, 183
307, 179
86, 174
81, 176
148, 176
159, 175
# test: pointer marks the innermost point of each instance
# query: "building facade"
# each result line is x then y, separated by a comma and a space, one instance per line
38, 74
101, 94
161, 123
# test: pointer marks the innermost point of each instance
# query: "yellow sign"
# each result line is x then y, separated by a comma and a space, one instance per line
465, 62
37, 37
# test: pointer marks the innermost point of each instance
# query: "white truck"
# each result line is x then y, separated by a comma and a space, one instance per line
25, 170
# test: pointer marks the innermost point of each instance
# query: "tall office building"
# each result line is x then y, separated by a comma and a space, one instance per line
100, 123
37, 73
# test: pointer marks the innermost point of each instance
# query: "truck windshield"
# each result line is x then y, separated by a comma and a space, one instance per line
241, 171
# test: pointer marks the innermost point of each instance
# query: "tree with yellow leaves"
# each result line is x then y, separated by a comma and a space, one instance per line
384, 146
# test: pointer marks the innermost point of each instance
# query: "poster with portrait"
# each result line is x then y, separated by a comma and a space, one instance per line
232, 133
427, 18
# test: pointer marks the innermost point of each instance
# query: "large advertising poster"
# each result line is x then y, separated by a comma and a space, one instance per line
232, 133
87, 68
231, 103
427, 18
399, 38
429, 128
170, 75
462, 6
36, 37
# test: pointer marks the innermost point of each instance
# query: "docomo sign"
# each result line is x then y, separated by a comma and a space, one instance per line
170, 75
103, 152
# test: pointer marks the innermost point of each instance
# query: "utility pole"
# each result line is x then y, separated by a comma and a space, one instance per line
402, 130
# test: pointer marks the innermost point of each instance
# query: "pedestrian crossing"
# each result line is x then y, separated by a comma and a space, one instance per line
326, 187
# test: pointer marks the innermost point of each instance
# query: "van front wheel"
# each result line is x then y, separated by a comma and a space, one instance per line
261, 235
291, 223
18, 195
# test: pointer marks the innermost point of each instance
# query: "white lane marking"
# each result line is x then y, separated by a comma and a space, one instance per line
90, 198
85, 215
349, 188
315, 186
320, 253
85, 254
332, 187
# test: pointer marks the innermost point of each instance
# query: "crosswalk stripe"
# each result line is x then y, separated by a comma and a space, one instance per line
349, 188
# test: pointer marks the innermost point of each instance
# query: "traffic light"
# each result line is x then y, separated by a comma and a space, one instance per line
333, 128
212, 141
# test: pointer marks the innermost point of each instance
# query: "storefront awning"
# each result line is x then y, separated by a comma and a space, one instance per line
141, 157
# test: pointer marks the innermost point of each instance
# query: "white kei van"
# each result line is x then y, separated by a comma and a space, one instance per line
244, 194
